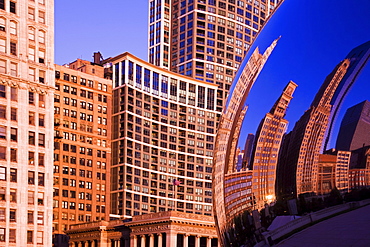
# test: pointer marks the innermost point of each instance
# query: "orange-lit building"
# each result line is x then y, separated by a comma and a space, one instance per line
82, 104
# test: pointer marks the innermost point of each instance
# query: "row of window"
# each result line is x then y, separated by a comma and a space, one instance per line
81, 206
83, 81
81, 195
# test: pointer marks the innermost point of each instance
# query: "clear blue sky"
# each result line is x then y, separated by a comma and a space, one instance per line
316, 35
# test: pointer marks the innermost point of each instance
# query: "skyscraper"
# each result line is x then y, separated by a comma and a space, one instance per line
298, 163
354, 130
164, 126
205, 40
26, 122
267, 146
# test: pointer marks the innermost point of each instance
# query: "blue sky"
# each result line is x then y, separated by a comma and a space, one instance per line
316, 35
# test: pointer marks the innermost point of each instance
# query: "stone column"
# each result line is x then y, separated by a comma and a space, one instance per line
171, 238
209, 241
142, 240
160, 240
197, 241
133, 241
186, 240
151, 240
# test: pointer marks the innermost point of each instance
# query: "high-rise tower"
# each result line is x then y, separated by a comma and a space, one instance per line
26, 122
206, 40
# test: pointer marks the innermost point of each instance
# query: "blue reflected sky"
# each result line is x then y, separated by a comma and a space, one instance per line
316, 35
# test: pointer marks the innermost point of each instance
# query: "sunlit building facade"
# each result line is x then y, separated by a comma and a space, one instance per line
26, 122
205, 39
164, 126
82, 104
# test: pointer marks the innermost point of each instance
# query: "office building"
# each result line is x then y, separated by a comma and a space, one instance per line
354, 131
163, 130
205, 40
82, 104
26, 122
267, 146
248, 148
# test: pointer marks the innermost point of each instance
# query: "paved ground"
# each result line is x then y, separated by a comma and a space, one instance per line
345, 230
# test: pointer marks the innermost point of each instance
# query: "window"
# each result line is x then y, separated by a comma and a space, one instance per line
2, 154
31, 138
13, 27
13, 114
2, 214
40, 196
41, 36
31, 33
12, 215
13, 48
42, 17
13, 155
42, 60
3, 111
12, 8
31, 177
13, 134
41, 159
2, 234
2, 132
2, 24
2, 173
2, 91
31, 118
13, 69
2, 66
31, 73
40, 218
2, 45
42, 140
2, 193
41, 179
12, 236
13, 175
29, 237
42, 120
30, 217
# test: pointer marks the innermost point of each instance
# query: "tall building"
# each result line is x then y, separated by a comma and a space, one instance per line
298, 163
267, 146
82, 104
26, 122
205, 40
248, 148
354, 130
164, 126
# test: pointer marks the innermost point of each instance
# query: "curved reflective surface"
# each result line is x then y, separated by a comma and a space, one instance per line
301, 78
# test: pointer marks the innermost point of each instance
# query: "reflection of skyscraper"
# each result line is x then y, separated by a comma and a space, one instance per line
267, 146
299, 163
228, 131
354, 130
248, 151
358, 58
205, 40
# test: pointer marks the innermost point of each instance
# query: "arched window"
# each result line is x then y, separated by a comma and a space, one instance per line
2, 24
13, 27
31, 33
42, 36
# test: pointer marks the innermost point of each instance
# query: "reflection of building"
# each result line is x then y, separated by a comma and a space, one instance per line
228, 133
299, 162
358, 58
266, 147
205, 40
354, 131
82, 145
359, 173
239, 159
238, 193
163, 132
332, 169
158, 229
26, 122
